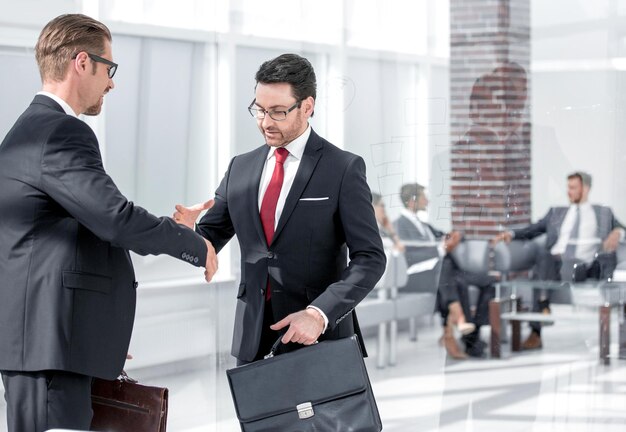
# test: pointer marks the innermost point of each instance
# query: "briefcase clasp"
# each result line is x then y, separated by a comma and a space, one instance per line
305, 410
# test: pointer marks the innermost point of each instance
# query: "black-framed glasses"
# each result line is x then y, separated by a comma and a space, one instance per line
112, 67
277, 115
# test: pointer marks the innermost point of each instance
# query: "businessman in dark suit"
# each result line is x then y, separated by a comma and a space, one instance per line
298, 205
452, 294
574, 235
67, 289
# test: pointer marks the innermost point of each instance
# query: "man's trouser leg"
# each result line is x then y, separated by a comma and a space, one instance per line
38, 401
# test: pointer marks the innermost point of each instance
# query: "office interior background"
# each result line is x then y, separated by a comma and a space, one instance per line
394, 85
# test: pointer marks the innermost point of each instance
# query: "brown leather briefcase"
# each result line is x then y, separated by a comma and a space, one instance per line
124, 405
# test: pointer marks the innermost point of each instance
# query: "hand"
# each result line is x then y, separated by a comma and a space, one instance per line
611, 243
505, 236
452, 240
305, 327
211, 261
398, 245
188, 215
129, 357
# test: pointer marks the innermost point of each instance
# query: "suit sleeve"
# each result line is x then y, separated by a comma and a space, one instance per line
367, 257
216, 225
534, 230
73, 176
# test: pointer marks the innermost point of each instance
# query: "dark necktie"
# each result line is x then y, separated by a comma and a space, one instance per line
270, 200
570, 249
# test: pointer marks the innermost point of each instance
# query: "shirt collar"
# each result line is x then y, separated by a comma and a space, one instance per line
409, 214
295, 147
66, 107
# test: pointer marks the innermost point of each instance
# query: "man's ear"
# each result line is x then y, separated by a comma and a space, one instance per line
308, 105
80, 63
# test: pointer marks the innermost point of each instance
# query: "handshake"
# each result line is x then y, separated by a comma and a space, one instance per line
187, 216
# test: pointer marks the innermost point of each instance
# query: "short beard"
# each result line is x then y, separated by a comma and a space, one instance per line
93, 110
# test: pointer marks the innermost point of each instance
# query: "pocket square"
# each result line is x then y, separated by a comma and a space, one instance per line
314, 199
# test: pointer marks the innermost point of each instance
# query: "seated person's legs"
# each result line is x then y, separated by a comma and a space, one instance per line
547, 267
474, 346
453, 301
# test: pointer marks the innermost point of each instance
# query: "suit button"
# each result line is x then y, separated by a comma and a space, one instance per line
195, 260
270, 255
262, 291
135, 284
184, 255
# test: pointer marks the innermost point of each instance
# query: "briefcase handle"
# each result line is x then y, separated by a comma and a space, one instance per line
272, 352
125, 378
274, 348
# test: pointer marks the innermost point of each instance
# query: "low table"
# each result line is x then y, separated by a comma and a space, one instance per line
606, 295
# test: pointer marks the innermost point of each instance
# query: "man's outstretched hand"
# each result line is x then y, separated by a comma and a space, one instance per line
188, 215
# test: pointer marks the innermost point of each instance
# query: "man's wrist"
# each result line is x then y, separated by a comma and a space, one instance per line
320, 315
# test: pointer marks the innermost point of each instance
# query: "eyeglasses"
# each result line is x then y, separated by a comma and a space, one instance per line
277, 115
112, 66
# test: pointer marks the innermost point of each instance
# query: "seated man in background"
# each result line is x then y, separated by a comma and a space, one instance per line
453, 286
574, 235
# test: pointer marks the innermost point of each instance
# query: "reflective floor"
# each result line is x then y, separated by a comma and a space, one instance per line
563, 387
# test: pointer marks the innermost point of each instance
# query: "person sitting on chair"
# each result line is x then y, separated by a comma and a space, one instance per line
385, 227
452, 293
582, 234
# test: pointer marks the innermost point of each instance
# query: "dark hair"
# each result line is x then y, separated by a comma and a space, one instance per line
410, 191
64, 37
291, 69
584, 178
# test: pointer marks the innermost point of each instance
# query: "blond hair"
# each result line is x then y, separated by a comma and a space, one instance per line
63, 38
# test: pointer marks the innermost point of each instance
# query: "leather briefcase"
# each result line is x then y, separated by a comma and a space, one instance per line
124, 405
322, 387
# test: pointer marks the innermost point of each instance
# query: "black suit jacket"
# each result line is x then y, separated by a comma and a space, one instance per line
307, 260
67, 286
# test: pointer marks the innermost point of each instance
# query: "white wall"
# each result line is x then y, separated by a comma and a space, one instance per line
578, 99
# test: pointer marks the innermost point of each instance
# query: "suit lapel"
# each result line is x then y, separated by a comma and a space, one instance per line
256, 169
312, 154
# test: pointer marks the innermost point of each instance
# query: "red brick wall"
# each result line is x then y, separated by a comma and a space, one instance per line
490, 122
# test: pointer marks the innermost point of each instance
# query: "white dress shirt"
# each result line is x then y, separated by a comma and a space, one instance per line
66, 107
290, 167
588, 241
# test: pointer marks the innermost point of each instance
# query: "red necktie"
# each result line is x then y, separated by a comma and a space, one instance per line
270, 199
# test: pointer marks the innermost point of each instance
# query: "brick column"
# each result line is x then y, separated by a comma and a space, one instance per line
490, 122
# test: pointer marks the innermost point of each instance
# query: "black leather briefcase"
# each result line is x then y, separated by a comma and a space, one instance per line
322, 387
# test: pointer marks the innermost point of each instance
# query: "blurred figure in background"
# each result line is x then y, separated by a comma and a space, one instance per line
453, 289
583, 234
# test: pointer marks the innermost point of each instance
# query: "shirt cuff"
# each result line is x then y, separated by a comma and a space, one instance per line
323, 316
622, 234
441, 249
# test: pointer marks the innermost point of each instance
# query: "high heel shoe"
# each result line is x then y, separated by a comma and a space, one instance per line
466, 328
456, 318
452, 348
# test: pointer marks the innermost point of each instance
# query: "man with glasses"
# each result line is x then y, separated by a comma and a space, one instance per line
67, 289
297, 204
